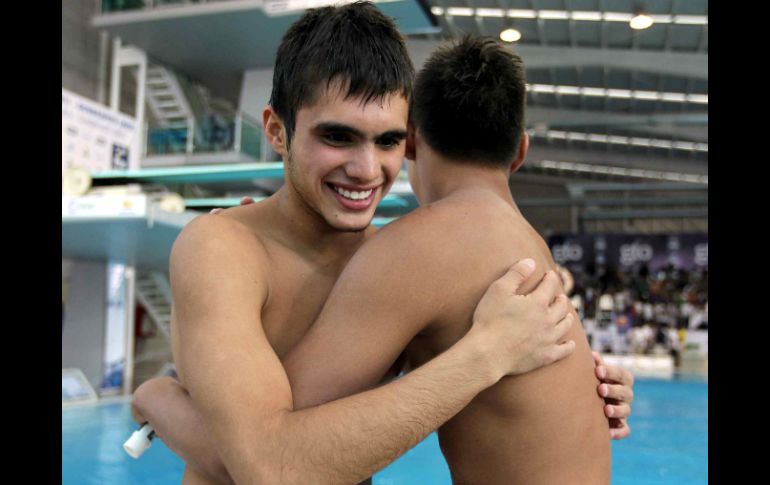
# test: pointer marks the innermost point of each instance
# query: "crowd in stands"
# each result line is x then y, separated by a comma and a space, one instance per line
645, 311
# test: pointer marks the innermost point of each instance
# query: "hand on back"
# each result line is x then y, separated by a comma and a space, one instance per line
524, 332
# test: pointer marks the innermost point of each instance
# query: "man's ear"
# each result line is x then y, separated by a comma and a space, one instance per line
410, 153
275, 131
521, 154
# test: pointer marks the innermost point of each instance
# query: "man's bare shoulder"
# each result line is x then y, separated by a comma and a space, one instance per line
212, 244
413, 234
450, 224
477, 234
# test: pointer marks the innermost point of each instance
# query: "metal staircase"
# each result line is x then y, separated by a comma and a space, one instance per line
184, 116
154, 293
165, 97
154, 356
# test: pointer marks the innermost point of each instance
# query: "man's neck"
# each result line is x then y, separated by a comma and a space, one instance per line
305, 231
450, 177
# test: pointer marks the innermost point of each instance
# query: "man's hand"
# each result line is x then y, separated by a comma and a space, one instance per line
136, 414
616, 388
524, 332
244, 201
166, 405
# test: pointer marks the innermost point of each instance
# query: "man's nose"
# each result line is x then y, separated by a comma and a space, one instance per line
365, 166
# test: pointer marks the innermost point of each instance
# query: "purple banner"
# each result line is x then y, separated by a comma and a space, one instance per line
629, 252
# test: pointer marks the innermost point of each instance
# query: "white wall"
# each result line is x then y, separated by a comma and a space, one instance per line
255, 91
82, 344
79, 48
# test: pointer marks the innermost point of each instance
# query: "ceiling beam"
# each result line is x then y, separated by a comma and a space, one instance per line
563, 117
543, 57
663, 163
685, 126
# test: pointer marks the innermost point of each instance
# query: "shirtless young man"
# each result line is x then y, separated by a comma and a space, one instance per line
544, 427
248, 283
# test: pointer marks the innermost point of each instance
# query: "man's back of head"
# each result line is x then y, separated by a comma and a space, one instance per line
355, 45
469, 101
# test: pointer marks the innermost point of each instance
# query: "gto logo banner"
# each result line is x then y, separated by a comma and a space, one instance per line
630, 251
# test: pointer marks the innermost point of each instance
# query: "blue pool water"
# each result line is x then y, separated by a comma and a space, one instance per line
668, 445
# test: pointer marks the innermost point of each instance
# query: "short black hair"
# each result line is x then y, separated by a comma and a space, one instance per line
469, 101
355, 44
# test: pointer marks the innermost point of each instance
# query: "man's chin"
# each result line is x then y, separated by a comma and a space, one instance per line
360, 224
353, 229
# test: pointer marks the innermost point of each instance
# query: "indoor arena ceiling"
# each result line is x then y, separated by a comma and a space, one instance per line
603, 96
604, 99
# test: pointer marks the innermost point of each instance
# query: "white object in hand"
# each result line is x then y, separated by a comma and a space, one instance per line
139, 441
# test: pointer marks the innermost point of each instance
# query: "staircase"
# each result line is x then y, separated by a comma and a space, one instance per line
153, 354
169, 132
154, 293
165, 97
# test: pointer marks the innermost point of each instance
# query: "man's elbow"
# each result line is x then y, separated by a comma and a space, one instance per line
146, 395
272, 456
260, 470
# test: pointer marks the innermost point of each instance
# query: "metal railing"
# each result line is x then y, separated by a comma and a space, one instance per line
210, 134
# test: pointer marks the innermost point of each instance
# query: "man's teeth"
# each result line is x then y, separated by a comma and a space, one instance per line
353, 195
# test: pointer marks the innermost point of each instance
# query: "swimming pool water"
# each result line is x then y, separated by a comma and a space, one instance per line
668, 444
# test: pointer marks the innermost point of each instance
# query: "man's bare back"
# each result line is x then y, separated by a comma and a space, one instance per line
546, 426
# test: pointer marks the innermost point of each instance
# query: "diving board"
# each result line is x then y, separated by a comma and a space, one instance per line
196, 174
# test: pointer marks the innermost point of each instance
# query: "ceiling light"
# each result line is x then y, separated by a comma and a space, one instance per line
522, 14
617, 17
641, 21
490, 12
553, 15
577, 15
510, 35
594, 16
460, 11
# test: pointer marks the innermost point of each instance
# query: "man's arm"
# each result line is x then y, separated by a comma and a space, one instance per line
616, 385
243, 394
402, 283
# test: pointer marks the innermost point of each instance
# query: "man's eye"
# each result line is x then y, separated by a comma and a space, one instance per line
389, 142
336, 138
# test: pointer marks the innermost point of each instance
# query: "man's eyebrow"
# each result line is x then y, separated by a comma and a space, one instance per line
340, 128
400, 134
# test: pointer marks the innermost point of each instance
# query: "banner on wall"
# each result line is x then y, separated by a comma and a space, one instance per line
115, 335
574, 252
95, 137
629, 252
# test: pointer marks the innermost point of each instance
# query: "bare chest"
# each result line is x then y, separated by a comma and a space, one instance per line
298, 291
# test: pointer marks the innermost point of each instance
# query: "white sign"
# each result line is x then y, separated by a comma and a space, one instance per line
104, 206
95, 137
698, 341
75, 387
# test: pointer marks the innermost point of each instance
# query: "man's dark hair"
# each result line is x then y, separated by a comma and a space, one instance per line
355, 44
469, 101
